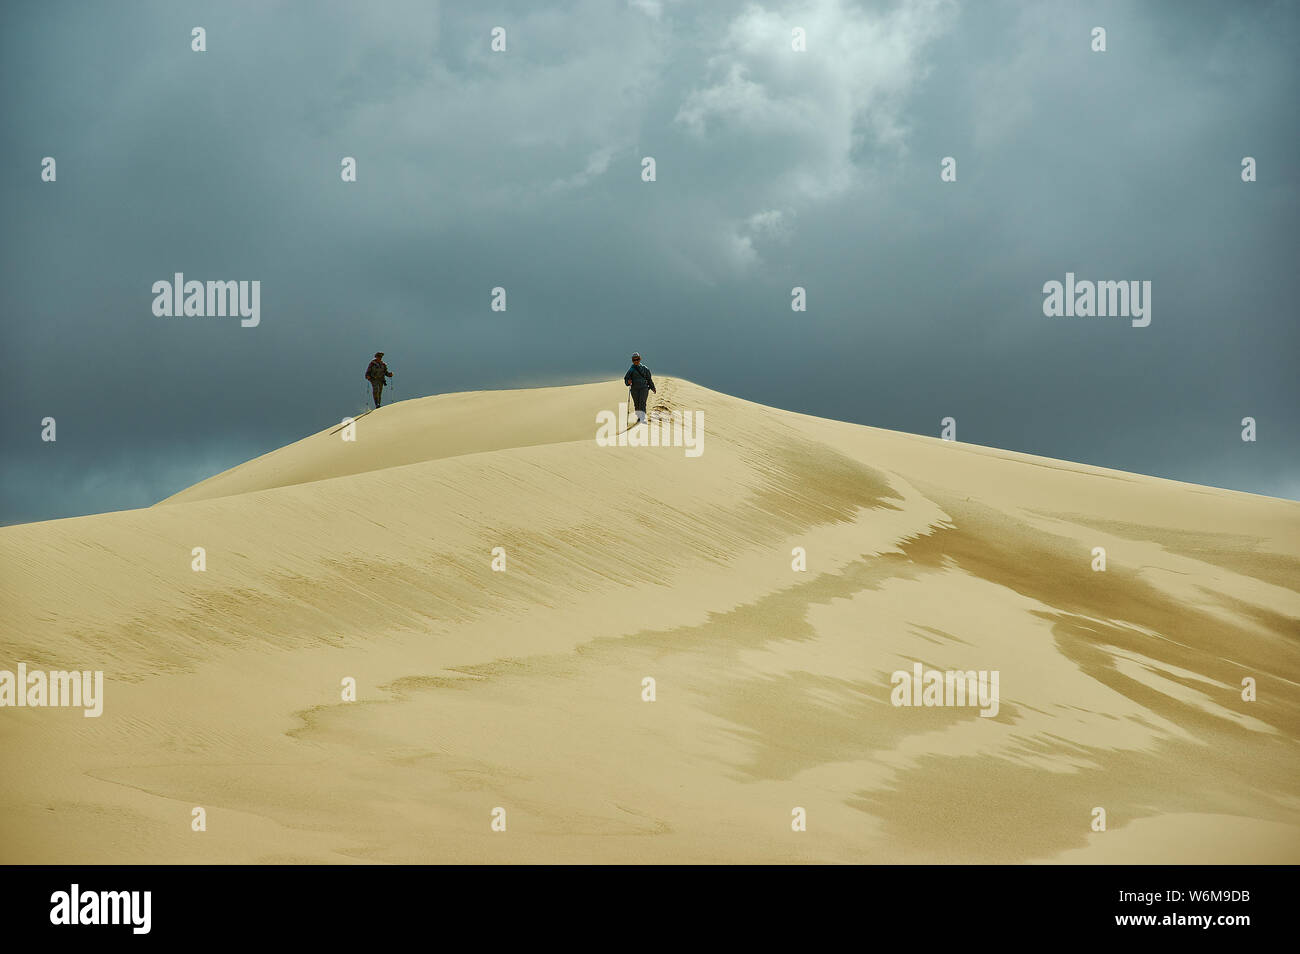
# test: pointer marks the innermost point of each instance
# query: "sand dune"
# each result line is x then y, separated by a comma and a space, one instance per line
522, 689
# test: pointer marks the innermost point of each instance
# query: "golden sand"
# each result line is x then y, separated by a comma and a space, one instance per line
523, 689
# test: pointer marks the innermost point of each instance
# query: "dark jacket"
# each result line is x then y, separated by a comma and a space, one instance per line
638, 378
376, 371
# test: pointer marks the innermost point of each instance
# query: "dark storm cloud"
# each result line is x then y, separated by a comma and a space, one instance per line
522, 169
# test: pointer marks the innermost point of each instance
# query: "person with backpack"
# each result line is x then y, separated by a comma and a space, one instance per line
639, 379
376, 372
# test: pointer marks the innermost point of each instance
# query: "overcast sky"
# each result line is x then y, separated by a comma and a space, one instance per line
522, 169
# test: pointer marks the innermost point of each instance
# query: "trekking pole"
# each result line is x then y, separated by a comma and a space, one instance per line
630, 408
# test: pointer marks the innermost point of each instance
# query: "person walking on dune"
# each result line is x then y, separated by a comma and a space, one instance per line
638, 378
376, 372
